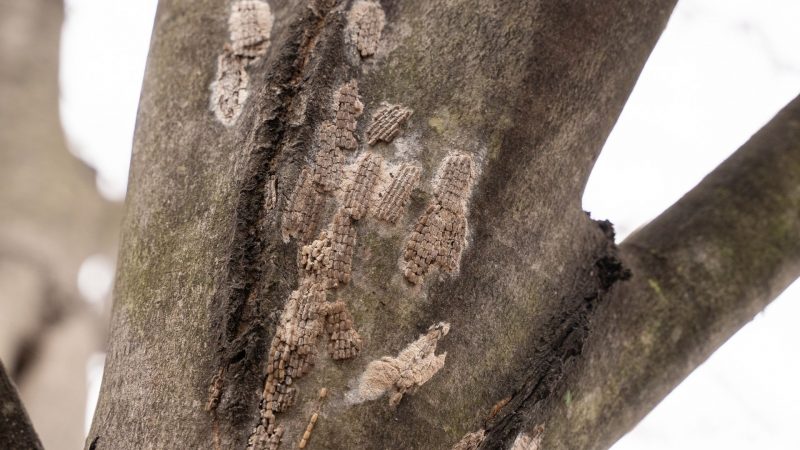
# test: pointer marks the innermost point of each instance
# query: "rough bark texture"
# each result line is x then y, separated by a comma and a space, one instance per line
51, 219
16, 431
702, 270
528, 91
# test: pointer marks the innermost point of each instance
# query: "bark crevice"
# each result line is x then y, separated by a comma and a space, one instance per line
560, 345
244, 307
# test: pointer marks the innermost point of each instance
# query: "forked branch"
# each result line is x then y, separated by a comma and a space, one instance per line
701, 271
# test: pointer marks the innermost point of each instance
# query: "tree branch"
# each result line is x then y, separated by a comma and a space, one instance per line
701, 270
16, 431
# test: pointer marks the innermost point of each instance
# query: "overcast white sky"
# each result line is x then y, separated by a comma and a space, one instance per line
721, 70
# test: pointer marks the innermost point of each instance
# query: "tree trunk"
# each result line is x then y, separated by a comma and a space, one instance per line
16, 431
295, 271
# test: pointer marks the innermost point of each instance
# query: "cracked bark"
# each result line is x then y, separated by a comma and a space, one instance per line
530, 90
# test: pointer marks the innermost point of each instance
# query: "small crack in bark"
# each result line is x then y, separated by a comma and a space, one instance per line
241, 319
558, 349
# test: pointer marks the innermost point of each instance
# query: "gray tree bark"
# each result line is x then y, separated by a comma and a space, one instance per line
51, 219
220, 255
16, 431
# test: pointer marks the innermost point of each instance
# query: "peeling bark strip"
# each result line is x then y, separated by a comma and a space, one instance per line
470, 441
440, 234
394, 200
250, 25
364, 26
413, 367
386, 123
348, 109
